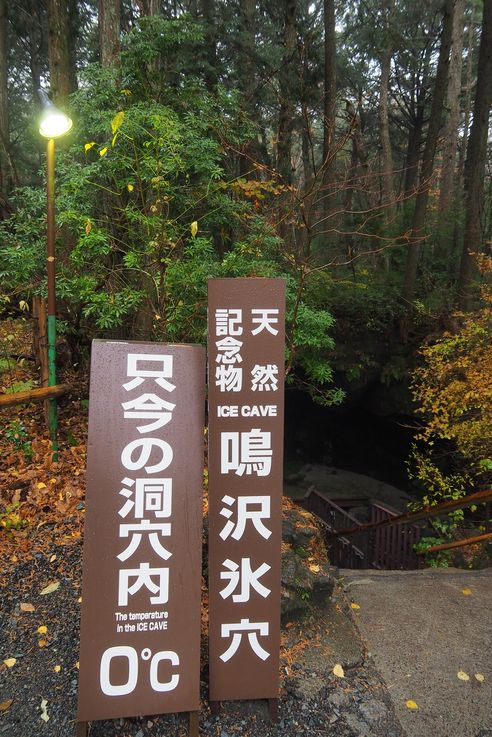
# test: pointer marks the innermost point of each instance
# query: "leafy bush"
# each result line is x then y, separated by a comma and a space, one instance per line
453, 393
148, 209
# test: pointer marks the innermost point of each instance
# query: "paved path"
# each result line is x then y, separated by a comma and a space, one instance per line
421, 630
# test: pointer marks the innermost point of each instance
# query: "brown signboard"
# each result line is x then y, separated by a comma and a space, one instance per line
246, 403
140, 632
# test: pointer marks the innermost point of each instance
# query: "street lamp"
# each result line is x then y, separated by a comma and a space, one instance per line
53, 124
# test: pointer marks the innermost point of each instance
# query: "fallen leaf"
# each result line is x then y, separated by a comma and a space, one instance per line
194, 228
6, 704
14, 559
53, 558
79, 600
467, 592
130, 187
27, 608
411, 704
77, 665
40, 485
10, 662
50, 588
314, 568
44, 711
42, 642
355, 606
42, 629
480, 677
57, 668
463, 676
338, 671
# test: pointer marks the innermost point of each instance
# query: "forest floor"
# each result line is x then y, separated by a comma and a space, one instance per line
41, 533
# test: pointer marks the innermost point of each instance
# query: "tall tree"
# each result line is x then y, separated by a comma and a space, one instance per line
426, 171
4, 110
450, 135
109, 31
59, 54
387, 184
210, 44
330, 88
247, 72
287, 76
476, 157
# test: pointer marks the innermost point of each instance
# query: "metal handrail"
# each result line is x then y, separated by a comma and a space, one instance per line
478, 497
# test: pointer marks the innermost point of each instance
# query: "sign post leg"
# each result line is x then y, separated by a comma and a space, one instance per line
273, 710
193, 724
81, 729
215, 708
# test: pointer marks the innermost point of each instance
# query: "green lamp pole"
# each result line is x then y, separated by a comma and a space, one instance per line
53, 124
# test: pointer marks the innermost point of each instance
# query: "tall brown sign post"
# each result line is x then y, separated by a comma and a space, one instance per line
140, 633
246, 383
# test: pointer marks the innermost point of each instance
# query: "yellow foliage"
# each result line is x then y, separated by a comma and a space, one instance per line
453, 392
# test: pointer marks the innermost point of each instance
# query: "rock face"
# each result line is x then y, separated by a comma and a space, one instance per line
307, 577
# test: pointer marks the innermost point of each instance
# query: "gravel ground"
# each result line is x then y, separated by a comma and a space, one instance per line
312, 700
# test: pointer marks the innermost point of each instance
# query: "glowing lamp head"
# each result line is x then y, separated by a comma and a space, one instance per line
53, 123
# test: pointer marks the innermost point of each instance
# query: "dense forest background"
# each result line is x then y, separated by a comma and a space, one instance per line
343, 146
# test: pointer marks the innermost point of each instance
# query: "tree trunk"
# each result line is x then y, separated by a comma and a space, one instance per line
5, 174
73, 35
475, 159
327, 195
210, 44
35, 31
387, 185
428, 158
418, 106
286, 75
450, 135
468, 86
247, 75
330, 89
59, 56
109, 31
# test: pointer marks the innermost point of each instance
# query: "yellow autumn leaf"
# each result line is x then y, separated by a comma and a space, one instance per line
314, 568
88, 227
23, 305
42, 642
338, 671
411, 704
10, 662
77, 665
463, 676
40, 485
88, 146
355, 606
125, 92
103, 151
466, 592
50, 588
130, 187
57, 668
117, 121
53, 558
480, 677
194, 228
42, 629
